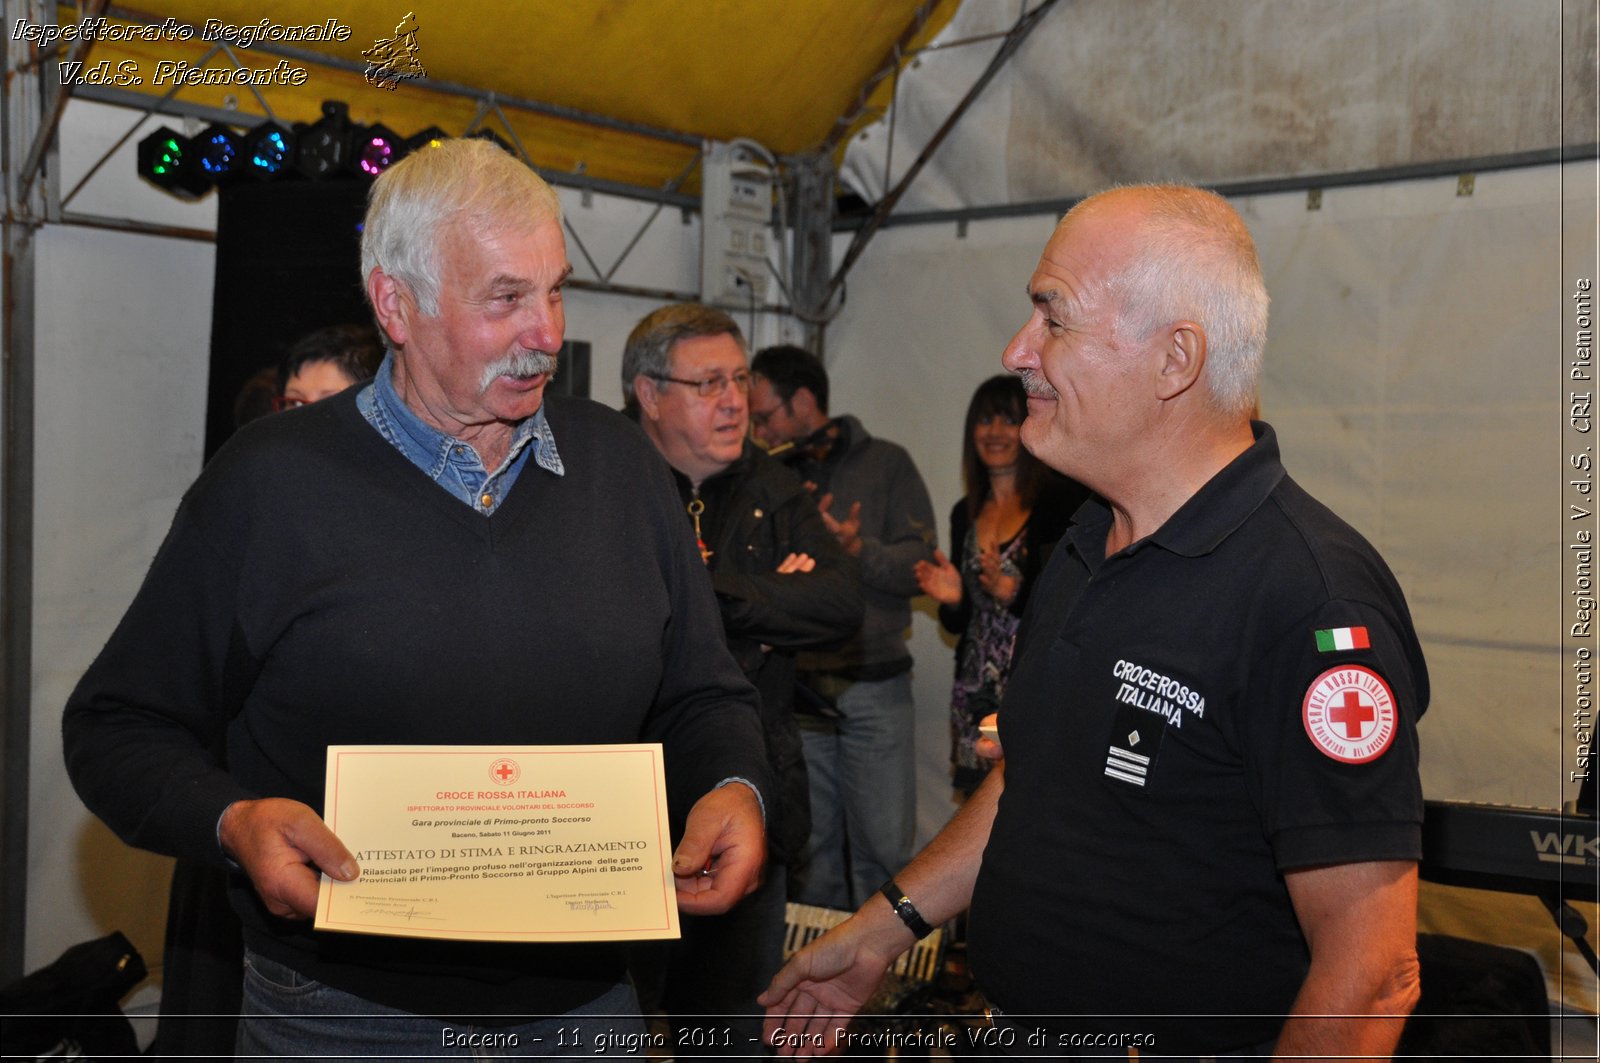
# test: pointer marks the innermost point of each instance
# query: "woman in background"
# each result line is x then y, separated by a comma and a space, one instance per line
325, 362
1014, 510
319, 364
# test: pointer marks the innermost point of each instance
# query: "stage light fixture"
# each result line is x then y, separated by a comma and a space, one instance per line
221, 152
431, 137
333, 146
377, 148
324, 149
169, 160
268, 150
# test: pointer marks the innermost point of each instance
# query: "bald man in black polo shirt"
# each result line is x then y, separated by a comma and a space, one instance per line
1204, 838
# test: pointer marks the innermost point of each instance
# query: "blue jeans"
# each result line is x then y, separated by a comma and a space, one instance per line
288, 1016
863, 793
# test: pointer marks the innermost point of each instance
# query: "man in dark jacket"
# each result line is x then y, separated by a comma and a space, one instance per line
859, 735
783, 582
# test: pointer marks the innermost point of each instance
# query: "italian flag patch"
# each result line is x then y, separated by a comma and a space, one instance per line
1342, 638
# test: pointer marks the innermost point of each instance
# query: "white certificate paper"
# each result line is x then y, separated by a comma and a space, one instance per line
495, 843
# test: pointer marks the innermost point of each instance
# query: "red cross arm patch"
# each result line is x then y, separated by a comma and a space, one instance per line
1349, 714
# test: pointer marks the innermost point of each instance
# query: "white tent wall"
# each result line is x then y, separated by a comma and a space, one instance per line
123, 326
123, 331
1230, 90
1416, 372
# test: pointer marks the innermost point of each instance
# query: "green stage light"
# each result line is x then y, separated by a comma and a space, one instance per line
170, 161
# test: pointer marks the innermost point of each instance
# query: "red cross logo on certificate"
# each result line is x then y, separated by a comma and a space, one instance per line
1349, 714
505, 771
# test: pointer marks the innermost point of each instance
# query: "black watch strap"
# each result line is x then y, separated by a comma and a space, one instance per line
905, 909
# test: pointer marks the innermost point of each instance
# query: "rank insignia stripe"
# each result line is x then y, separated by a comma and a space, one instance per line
1134, 745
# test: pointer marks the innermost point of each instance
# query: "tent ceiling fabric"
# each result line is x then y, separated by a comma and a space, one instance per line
780, 74
1108, 91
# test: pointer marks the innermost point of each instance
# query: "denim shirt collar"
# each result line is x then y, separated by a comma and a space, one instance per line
449, 462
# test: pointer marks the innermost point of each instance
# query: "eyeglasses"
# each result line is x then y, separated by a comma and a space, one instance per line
711, 386
759, 418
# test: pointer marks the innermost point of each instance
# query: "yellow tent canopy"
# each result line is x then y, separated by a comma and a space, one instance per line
657, 76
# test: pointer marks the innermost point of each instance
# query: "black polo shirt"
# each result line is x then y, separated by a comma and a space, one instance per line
1230, 698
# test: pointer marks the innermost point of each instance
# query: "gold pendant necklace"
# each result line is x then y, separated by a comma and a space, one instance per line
697, 507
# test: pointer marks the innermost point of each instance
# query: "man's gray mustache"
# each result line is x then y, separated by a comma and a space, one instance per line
1036, 387
521, 364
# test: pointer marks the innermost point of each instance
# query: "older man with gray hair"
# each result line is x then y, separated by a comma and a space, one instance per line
416, 562
783, 583
1203, 839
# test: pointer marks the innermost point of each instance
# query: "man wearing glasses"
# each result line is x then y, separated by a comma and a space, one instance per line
783, 583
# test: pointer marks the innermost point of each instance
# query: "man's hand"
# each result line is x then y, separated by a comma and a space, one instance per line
796, 563
847, 531
939, 579
280, 843
811, 1000
724, 834
831, 979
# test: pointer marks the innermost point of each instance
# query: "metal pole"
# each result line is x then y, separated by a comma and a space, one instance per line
1019, 33
45, 135
890, 65
1268, 186
813, 245
22, 99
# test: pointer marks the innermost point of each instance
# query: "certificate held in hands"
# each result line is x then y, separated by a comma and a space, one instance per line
495, 843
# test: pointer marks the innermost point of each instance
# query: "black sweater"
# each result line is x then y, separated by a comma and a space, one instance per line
316, 588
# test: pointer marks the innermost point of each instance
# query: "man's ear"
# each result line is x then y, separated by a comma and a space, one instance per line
644, 390
1183, 359
392, 305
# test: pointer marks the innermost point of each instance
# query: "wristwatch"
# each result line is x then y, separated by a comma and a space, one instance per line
905, 909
